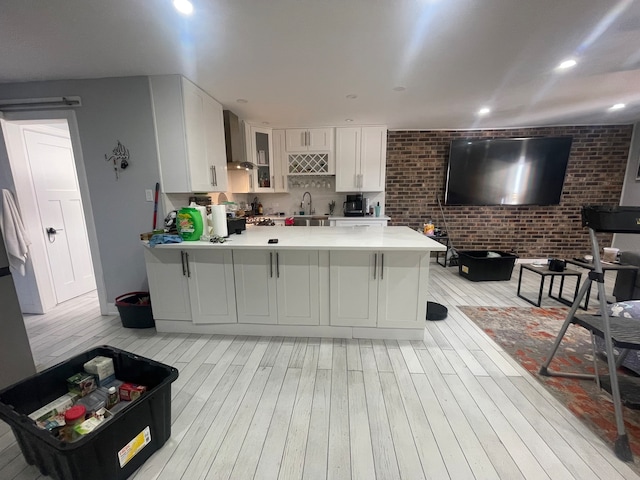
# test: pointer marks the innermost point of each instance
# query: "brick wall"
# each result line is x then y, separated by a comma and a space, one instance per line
416, 171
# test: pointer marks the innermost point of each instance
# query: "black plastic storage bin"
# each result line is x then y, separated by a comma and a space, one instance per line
134, 314
95, 455
478, 266
611, 219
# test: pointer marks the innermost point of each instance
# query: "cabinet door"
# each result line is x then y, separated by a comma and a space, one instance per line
373, 159
168, 284
215, 147
298, 280
211, 290
255, 280
402, 289
200, 172
320, 139
347, 159
353, 287
262, 152
280, 167
296, 140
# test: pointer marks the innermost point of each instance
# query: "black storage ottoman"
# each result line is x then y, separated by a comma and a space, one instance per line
479, 266
118, 446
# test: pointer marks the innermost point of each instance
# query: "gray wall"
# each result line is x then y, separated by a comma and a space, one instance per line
631, 192
112, 109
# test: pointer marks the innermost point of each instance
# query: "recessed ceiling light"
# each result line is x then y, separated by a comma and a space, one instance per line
348, 119
352, 96
242, 100
183, 6
617, 106
484, 111
566, 64
399, 89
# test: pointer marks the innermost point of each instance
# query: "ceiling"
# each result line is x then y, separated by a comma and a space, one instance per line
295, 61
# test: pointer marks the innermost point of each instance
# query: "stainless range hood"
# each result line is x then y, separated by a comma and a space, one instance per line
234, 141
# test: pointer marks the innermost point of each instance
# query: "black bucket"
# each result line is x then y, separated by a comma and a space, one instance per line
135, 310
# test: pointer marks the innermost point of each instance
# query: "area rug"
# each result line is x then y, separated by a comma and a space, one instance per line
527, 334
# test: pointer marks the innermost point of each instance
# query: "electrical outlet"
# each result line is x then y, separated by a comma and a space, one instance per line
149, 194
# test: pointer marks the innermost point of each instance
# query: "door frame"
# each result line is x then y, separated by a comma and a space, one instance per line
40, 116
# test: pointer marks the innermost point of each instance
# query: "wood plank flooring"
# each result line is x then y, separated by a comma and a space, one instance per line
454, 405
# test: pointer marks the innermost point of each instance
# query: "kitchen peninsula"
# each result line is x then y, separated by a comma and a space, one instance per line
345, 282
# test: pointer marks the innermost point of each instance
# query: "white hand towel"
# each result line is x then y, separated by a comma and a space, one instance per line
15, 235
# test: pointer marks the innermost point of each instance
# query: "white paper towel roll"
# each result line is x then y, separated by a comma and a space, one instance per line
219, 220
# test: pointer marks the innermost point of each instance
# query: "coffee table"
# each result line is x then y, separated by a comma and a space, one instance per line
606, 266
544, 272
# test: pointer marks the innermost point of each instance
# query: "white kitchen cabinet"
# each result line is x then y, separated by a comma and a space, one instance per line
190, 136
358, 222
383, 289
275, 286
260, 148
211, 291
280, 167
309, 139
168, 284
353, 288
194, 285
361, 155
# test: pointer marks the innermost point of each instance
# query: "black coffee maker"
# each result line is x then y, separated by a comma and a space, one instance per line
354, 206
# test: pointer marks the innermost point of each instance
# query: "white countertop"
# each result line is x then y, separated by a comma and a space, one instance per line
323, 238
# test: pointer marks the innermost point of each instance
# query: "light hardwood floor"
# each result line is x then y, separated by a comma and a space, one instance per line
452, 406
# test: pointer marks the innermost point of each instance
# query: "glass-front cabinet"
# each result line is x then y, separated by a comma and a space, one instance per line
262, 157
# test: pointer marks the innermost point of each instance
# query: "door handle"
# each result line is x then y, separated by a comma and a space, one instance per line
382, 266
277, 265
211, 173
270, 264
186, 256
375, 264
215, 176
184, 269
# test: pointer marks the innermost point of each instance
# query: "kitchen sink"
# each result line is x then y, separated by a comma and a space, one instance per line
313, 221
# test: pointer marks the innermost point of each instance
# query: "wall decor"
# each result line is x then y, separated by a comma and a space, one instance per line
119, 157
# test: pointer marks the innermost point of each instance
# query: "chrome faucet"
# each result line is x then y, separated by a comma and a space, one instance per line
310, 204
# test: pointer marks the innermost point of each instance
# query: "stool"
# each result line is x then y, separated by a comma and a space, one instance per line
545, 272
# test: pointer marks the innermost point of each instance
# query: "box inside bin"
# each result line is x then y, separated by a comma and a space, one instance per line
99, 454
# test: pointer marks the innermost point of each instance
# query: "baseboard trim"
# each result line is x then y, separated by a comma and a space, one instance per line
323, 331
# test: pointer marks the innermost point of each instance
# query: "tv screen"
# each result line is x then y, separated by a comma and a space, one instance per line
513, 171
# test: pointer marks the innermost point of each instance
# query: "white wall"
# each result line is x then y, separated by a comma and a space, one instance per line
631, 192
112, 109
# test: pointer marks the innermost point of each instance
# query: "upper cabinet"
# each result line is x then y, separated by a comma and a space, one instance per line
260, 148
190, 136
281, 183
361, 155
309, 140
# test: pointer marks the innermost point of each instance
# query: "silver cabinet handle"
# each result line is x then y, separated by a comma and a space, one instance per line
270, 264
355, 180
283, 187
211, 173
303, 138
273, 182
186, 256
251, 181
184, 269
277, 265
375, 264
382, 266
215, 176
308, 138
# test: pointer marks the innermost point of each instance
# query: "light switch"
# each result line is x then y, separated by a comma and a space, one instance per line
149, 194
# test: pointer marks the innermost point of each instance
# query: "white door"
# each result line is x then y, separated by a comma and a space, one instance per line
194, 118
255, 279
211, 290
347, 159
298, 279
55, 181
296, 140
353, 288
167, 274
373, 159
319, 139
215, 146
402, 289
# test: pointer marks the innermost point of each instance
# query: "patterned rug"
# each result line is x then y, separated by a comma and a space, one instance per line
527, 334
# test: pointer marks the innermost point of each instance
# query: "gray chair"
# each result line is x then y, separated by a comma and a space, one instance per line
627, 286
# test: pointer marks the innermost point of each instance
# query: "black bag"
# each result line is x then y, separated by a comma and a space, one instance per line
556, 265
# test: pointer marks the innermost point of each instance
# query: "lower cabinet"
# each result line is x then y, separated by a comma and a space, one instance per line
194, 285
277, 287
378, 289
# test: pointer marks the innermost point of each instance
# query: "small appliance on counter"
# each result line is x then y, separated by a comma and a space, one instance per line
236, 225
354, 206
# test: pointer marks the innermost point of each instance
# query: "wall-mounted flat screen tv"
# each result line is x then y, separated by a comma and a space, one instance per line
511, 171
